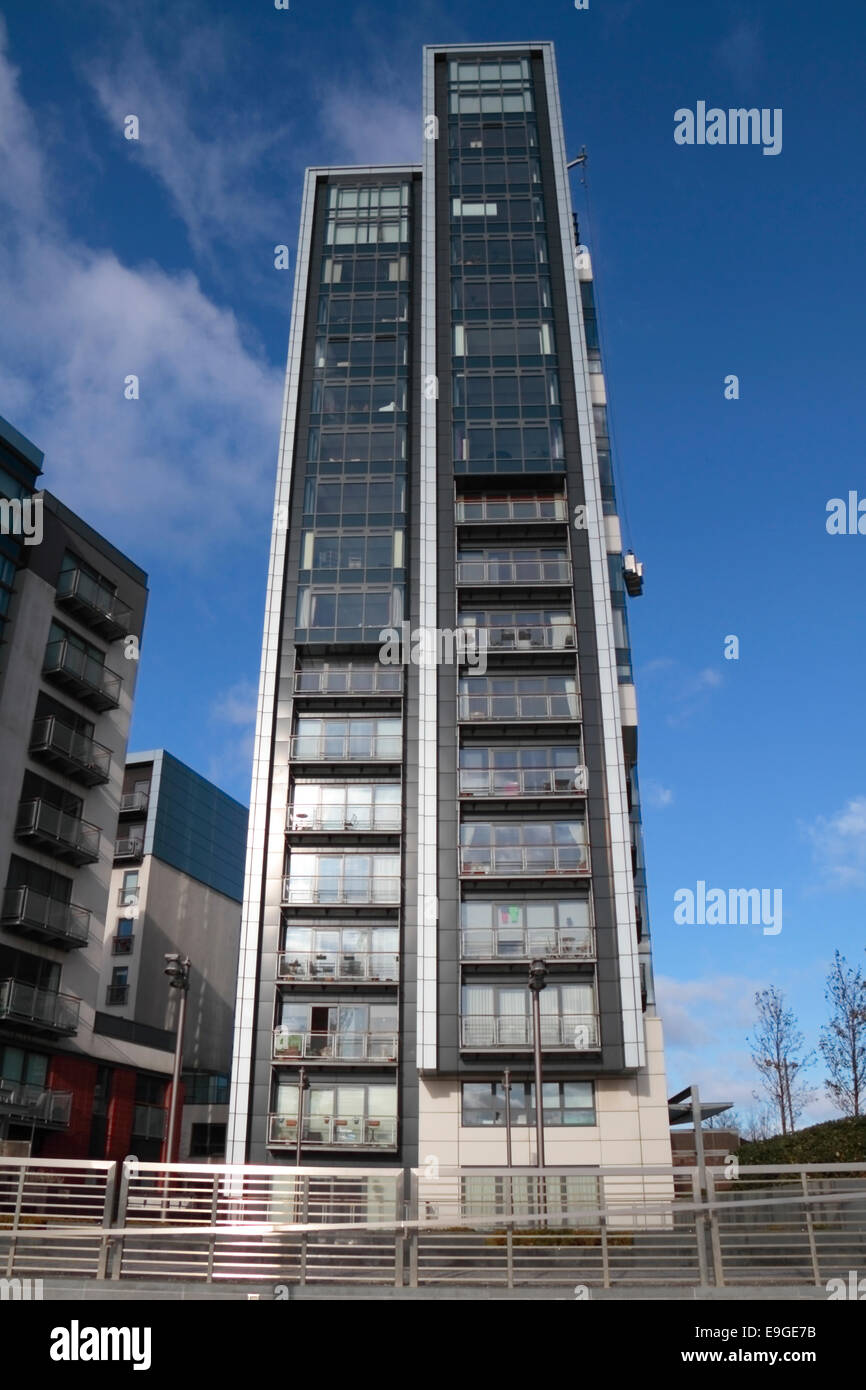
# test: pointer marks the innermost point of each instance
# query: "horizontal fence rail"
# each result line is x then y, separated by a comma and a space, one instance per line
602, 1227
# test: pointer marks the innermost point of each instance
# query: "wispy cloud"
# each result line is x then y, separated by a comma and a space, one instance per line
839, 845
237, 705
740, 52
193, 457
654, 794
685, 690
211, 161
360, 128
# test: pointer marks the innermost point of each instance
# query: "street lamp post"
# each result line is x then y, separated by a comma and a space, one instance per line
537, 982
177, 969
303, 1083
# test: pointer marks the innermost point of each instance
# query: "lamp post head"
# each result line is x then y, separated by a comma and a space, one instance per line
177, 970
538, 975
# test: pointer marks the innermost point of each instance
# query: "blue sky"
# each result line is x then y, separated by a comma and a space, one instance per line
156, 258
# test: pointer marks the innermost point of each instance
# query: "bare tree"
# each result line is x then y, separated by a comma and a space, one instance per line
843, 1039
758, 1123
728, 1119
777, 1052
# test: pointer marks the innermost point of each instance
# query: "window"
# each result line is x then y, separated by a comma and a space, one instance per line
519, 928
501, 1016
205, 1088
207, 1141
130, 889
318, 877
346, 806
565, 1103
357, 1114
118, 990
23, 1068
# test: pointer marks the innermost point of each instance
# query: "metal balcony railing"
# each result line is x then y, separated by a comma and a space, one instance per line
519, 638
504, 943
528, 859
512, 509
43, 1009
333, 818
76, 754
35, 914
513, 781
127, 897
89, 679
116, 994
341, 1131
575, 1032
96, 604
382, 967
340, 748
134, 801
131, 848
351, 889
35, 1104
378, 680
334, 1047
518, 706
57, 832
513, 571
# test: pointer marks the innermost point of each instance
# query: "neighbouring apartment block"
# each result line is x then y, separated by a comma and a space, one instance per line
87, 1026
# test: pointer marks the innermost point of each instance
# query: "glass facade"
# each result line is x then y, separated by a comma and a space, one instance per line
435, 826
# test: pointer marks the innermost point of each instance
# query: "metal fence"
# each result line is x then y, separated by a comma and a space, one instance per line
601, 1227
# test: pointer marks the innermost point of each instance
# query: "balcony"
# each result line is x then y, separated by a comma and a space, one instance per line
122, 945
334, 1047
35, 1105
517, 638
57, 832
358, 890
46, 919
378, 680
518, 706
129, 848
570, 1033
347, 748
134, 803
326, 967
513, 571
512, 943
128, 897
77, 755
42, 1010
385, 818
511, 509
334, 1131
82, 675
95, 604
116, 995
540, 860
519, 782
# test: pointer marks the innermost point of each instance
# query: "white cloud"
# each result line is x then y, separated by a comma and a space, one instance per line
704, 1012
237, 705
193, 458
363, 128
208, 158
839, 845
654, 794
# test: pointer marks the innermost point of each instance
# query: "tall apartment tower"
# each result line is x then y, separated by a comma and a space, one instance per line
444, 783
